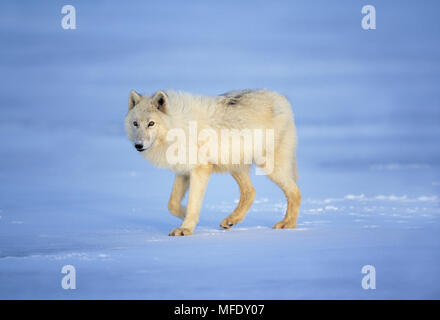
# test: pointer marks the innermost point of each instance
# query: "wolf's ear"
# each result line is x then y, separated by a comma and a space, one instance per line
160, 100
133, 99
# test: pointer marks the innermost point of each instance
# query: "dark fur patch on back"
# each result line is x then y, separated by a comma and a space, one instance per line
233, 98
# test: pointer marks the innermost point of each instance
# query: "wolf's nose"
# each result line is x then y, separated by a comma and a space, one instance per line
139, 146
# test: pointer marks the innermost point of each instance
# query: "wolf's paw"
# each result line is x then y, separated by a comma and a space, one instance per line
284, 225
181, 232
228, 222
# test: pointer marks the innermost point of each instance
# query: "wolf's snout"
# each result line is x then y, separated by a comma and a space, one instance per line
139, 146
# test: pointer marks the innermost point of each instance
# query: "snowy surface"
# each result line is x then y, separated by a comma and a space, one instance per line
74, 191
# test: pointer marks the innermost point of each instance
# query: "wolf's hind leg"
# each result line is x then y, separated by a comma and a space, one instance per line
284, 179
181, 185
247, 196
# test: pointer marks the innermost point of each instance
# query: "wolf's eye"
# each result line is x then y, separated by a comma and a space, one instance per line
151, 123
135, 123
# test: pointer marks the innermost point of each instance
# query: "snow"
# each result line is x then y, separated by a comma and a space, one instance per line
73, 191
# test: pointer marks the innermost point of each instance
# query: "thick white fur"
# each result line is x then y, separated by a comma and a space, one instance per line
243, 109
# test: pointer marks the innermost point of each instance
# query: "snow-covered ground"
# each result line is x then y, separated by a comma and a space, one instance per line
73, 191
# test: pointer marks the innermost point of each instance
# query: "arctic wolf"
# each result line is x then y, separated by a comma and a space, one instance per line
166, 127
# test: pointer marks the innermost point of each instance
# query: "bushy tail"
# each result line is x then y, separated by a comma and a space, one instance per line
295, 170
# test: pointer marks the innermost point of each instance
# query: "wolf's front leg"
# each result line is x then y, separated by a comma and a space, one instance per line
181, 185
199, 178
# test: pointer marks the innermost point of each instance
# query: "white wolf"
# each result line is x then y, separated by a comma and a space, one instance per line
152, 118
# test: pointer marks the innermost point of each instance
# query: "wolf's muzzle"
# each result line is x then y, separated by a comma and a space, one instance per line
139, 147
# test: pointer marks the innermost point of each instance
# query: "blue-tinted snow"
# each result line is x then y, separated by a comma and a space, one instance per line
74, 191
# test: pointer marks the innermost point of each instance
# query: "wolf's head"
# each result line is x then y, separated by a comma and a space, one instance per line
146, 122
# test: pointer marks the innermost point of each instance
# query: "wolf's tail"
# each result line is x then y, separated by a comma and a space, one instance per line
295, 170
